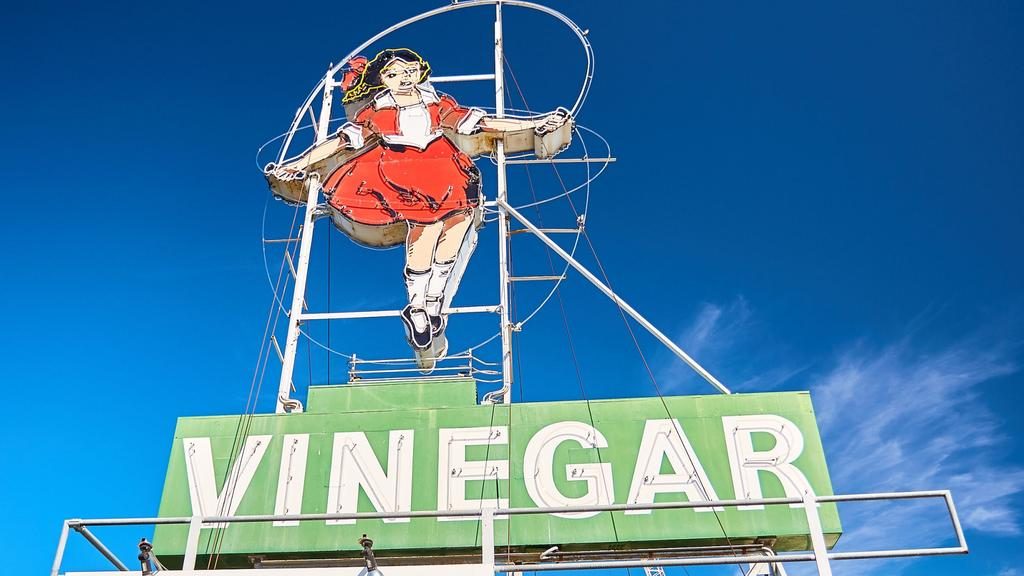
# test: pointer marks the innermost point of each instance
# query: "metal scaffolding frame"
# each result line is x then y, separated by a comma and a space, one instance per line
818, 554
505, 212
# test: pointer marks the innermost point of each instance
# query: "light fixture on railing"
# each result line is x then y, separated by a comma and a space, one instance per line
368, 558
145, 557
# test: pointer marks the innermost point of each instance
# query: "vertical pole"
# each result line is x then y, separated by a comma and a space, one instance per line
291, 347
817, 536
960, 540
195, 527
487, 537
58, 558
503, 221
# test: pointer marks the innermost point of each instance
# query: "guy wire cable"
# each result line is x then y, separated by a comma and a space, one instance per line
283, 280
654, 381
565, 319
650, 372
628, 327
242, 431
244, 421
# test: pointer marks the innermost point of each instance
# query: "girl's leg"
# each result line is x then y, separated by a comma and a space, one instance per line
452, 234
420, 243
449, 243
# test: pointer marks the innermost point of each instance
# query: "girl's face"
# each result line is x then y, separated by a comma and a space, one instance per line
401, 77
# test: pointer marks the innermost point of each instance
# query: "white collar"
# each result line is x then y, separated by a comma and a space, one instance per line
385, 100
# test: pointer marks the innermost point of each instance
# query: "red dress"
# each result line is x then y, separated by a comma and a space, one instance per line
414, 173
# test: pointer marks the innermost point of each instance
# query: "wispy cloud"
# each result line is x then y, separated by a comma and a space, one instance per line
713, 338
902, 418
716, 327
917, 420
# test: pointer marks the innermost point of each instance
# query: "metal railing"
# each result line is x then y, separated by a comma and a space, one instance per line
462, 365
818, 554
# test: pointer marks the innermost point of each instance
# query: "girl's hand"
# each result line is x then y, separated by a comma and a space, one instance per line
344, 140
552, 121
284, 173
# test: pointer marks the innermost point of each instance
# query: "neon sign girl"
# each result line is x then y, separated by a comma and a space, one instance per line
411, 172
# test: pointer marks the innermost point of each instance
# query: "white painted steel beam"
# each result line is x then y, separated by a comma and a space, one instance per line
291, 263
548, 231
195, 525
421, 570
291, 345
277, 348
462, 78
535, 278
389, 313
100, 547
817, 536
62, 543
874, 496
301, 269
948, 498
503, 221
561, 161
196, 522
487, 536
619, 564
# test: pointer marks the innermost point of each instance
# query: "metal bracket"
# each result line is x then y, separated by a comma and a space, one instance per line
291, 405
322, 211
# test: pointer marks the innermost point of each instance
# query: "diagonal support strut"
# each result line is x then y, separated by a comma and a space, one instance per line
615, 298
100, 547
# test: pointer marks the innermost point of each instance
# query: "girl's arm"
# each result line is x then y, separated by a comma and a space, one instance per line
492, 124
469, 120
543, 123
354, 134
350, 136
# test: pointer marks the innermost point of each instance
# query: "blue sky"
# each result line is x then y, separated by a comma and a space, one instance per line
821, 196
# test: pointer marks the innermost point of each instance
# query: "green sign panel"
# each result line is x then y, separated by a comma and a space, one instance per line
428, 446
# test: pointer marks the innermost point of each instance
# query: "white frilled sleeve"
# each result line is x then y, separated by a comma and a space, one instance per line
354, 133
469, 124
455, 117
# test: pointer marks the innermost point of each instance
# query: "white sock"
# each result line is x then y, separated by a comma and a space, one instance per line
439, 274
416, 285
433, 306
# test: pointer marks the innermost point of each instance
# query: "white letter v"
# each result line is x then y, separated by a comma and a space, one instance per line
202, 482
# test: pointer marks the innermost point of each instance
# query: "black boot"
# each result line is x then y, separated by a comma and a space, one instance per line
418, 339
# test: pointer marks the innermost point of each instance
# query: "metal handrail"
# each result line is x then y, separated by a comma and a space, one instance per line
464, 364
809, 502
